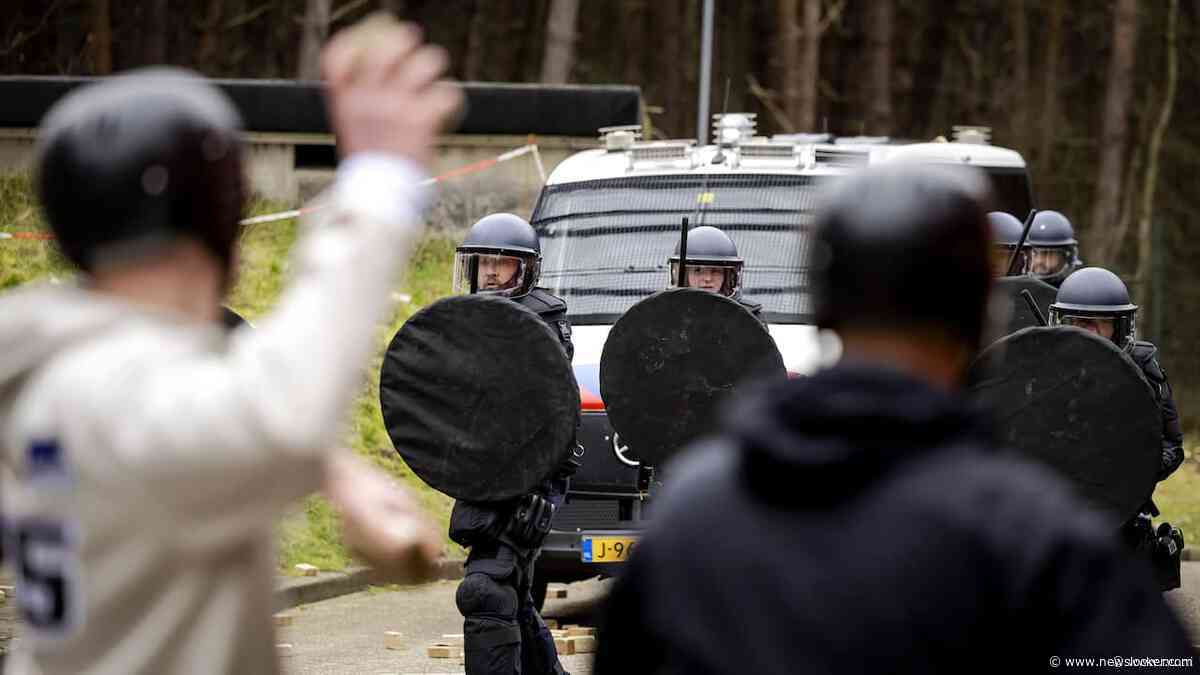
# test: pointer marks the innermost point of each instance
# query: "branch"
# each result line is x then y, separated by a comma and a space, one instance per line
23, 37
834, 15
342, 11
767, 98
247, 17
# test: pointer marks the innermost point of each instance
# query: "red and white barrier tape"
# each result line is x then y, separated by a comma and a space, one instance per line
473, 167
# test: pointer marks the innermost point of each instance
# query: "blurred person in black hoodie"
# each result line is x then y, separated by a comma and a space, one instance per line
861, 520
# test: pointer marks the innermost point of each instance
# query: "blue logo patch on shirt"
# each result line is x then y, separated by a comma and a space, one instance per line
45, 459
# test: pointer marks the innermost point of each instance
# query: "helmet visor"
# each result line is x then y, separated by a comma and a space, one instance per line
721, 279
1045, 263
1120, 328
1000, 257
506, 275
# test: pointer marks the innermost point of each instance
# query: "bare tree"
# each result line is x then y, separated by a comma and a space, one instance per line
154, 48
473, 60
210, 36
1049, 112
1145, 247
559, 54
316, 28
1020, 81
101, 38
880, 22
1115, 132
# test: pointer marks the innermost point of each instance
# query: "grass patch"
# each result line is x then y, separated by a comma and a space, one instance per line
311, 533
1178, 497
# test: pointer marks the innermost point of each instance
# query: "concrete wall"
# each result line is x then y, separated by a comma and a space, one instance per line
273, 174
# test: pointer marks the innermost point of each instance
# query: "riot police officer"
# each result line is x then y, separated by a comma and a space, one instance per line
1006, 234
503, 632
1096, 300
1053, 249
713, 265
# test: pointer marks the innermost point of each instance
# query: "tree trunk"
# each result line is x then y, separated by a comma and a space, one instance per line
102, 42
206, 52
1019, 94
787, 60
809, 75
314, 31
1145, 219
559, 54
1116, 125
473, 60
154, 50
880, 21
1049, 113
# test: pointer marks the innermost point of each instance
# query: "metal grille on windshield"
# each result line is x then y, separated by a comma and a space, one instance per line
605, 243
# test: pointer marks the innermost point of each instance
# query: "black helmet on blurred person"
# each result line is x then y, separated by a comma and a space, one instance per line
1053, 249
888, 239
1006, 234
501, 255
1096, 300
134, 163
713, 263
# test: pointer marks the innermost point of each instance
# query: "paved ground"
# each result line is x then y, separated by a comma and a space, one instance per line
346, 635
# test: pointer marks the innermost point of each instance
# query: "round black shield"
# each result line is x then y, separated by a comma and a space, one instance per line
231, 319
1017, 314
671, 360
478, 398
1072, 400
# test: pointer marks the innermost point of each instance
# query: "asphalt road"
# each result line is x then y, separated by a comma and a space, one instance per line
346, 634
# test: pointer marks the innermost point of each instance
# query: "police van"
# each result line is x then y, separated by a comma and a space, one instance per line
610, 218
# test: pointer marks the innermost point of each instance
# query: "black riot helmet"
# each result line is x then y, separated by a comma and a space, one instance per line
136, 162
1053, 250
888, 239
712, 260
501, 254
1006, 234
1097, 300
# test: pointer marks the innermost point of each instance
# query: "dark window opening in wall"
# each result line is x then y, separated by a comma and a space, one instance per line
321, 156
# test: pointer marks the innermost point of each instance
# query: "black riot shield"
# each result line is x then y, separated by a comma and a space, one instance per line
1074, 401
231, 319
671, 360
478, 398
1017, 314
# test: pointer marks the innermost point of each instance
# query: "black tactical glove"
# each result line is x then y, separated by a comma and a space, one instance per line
1171, 458
572, 463
530, 522
1168, 541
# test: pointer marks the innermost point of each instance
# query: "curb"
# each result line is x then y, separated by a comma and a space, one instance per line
294, 591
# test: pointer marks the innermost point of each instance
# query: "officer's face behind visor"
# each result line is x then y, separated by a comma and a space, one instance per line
711, 278
488, 273
1047, 262
1104, 327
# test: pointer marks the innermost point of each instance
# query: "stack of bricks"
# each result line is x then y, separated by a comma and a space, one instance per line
572, 639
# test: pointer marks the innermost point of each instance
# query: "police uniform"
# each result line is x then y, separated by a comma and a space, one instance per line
1095, 293
503, 633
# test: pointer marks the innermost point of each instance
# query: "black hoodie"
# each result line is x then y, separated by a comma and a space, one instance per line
859, 521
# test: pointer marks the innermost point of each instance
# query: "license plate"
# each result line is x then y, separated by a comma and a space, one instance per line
606, 549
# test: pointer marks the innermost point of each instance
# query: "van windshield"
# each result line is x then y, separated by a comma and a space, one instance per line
606, 243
